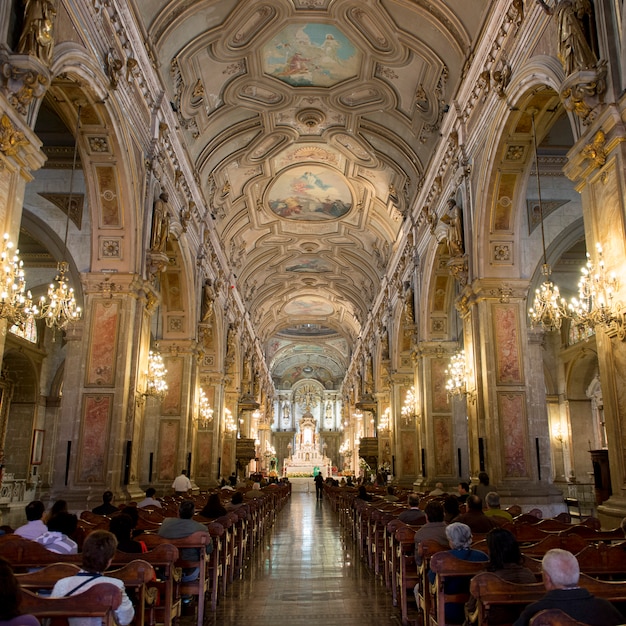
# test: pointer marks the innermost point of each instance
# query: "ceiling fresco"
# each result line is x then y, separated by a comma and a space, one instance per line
310, 124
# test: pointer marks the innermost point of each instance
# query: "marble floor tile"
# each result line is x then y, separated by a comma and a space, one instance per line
306, 573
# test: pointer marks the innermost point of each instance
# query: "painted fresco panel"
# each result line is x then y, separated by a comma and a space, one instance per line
441, 289
512, 414
204, 447
169, 432
409, 458
310, 193
172, 401
443, 444
94, 436
507, 337
439, 397
102, 358
313, 54
108, 196
310, 305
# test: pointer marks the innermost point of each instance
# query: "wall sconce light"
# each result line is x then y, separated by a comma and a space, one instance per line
156, 387
409, 412
385, 421
456, 384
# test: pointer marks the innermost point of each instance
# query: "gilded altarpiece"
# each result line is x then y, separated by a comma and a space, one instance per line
94, 437
100, 371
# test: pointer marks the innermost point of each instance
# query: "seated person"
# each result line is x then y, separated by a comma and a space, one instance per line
433, 530
506, 561
460, 539
561, 572
57, 537
60, 506
492, 500
438, 490
475, 518
98, 551
391, 496
149, 500
183, 526
363, 494
34, 526
463, 490
121, 526
413, 515
451, 509
106, 508
236, 502
213, 507
11, 599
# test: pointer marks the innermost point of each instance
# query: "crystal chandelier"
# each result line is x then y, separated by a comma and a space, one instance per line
16, 304
408, 411
548, 308
155, 376
385, 421
60, 308
596, 289
456, 384
229, 422
205, 412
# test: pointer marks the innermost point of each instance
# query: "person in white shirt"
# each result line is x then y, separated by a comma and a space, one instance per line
98, 551
182, 484
149, 500
34, 526
57, 538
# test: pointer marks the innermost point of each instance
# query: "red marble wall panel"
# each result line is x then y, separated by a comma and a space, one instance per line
94, 437
409, 459
204, 448
228, 456
443, 446
512, 413
169, 432
438, 385
506, 334
174, 377
103, 344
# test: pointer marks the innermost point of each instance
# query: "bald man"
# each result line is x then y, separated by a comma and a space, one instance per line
560, 577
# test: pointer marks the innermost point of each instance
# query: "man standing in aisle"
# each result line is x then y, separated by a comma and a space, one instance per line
319, 485
182, 484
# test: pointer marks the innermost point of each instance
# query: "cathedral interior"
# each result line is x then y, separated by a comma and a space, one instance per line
400, 223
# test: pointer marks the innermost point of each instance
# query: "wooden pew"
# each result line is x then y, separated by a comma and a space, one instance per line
571, 543
407, 568
603, 561
163, 559
448, 568
135, 575
24, 554
491, 593
198, 587
426, 550
98, 601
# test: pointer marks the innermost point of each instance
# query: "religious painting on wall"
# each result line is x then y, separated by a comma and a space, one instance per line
100, 371
314, 54
512, 413
93, 438
168, 449
310, 193
506, 335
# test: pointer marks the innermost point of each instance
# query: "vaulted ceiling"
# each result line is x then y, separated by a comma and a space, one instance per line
310, 124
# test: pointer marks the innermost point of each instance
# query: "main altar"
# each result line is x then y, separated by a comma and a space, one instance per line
308, 454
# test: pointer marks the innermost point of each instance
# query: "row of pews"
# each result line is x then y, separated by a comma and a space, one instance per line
153, 580
388, 547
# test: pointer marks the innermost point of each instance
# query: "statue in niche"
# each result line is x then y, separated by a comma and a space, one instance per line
453, 219
160, 224
37, 37
574, 22
384, 343
208, 297
409, 312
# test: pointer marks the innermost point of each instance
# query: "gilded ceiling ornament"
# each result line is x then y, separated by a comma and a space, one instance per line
595, 151
11, 139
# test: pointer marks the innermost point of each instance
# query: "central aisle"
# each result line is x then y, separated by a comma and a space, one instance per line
306, 573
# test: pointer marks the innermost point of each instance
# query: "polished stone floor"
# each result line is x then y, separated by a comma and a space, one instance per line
306, 573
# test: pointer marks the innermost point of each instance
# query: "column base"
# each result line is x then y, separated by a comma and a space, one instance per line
612, 511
